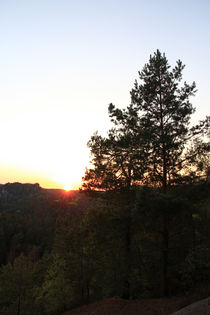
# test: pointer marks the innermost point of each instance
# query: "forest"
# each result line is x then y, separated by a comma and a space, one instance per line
138, 227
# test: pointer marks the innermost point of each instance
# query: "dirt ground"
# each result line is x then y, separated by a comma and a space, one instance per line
117, 306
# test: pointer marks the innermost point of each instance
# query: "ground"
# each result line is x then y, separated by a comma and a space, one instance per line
117, 306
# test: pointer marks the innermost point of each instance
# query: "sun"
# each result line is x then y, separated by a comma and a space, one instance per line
68, 178
67, 187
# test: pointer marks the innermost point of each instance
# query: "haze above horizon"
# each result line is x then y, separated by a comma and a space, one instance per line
62, 62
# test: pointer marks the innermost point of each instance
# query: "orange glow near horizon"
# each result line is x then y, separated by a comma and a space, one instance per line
49, 154
70, 180
71, 187
67, 188
66, 185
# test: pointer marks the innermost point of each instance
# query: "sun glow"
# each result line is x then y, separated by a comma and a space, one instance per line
67, 187
70, 186
51, 156
69, 180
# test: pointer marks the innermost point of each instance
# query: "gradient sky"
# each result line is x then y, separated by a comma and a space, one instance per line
61, 64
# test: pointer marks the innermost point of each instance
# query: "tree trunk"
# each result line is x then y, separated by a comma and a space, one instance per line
165, 236
126, 283
164, 271
18, 308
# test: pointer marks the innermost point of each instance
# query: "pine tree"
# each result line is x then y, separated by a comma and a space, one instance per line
148, 144
159, 114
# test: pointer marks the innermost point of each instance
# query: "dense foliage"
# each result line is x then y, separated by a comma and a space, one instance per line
78, 252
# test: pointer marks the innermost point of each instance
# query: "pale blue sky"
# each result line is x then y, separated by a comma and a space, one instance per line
63, 62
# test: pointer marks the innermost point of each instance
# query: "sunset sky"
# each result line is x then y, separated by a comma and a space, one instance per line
62, 62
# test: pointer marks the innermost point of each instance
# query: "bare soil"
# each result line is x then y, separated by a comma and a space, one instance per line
118, 306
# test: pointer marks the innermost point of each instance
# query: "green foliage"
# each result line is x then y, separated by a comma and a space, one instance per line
17, 287
109, 242
55, 293
197, 163
195, 268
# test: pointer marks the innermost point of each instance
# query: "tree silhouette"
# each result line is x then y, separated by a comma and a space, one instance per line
148, 142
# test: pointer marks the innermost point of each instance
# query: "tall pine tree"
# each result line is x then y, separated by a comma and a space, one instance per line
148, 142
159, 114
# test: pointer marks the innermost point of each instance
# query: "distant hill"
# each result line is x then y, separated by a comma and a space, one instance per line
18, 196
